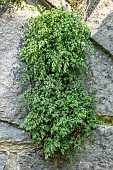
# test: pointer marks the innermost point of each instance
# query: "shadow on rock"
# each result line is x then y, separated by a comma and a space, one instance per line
104, 35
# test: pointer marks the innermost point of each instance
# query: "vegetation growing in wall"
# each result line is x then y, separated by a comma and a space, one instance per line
61, 111
106, 120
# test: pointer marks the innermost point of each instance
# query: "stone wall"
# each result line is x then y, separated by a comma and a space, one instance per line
99, 19
16, 150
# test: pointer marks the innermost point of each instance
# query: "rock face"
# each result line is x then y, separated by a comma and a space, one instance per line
102, 80
6, 131
16, 150
59, 3
53, 3
12, 27
3, 161
12, 138
100, 20
96, 155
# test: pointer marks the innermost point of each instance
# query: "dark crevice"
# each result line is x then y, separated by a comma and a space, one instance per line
9, 122
95, 43
49, 3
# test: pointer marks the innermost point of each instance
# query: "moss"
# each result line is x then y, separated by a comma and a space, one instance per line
107, 120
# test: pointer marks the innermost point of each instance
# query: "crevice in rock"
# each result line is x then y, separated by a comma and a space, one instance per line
10, 123
107, 120
49, 3
95, 43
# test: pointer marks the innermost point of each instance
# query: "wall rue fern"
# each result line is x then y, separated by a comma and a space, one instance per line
61, 112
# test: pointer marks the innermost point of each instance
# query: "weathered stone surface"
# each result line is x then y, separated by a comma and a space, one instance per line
34, 160
10, 133
96, 155
100, 20
102, 80
12, 26
3, 161
52, 3
39, 2
59, 3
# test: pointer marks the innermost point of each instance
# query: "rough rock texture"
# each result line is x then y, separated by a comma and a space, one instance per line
11, 133
97, 155
3, 161
102, 80
52, 3
34, 160
11, 31
59, 3
100, 19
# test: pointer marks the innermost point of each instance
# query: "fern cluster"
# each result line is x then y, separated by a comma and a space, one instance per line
61, 112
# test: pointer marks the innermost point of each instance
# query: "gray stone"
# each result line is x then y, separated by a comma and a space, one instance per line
13, 134
43, 3
96, 155
102, 80
52, 3
59, 3
3, 161
12, 27
99, 19
34, 160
